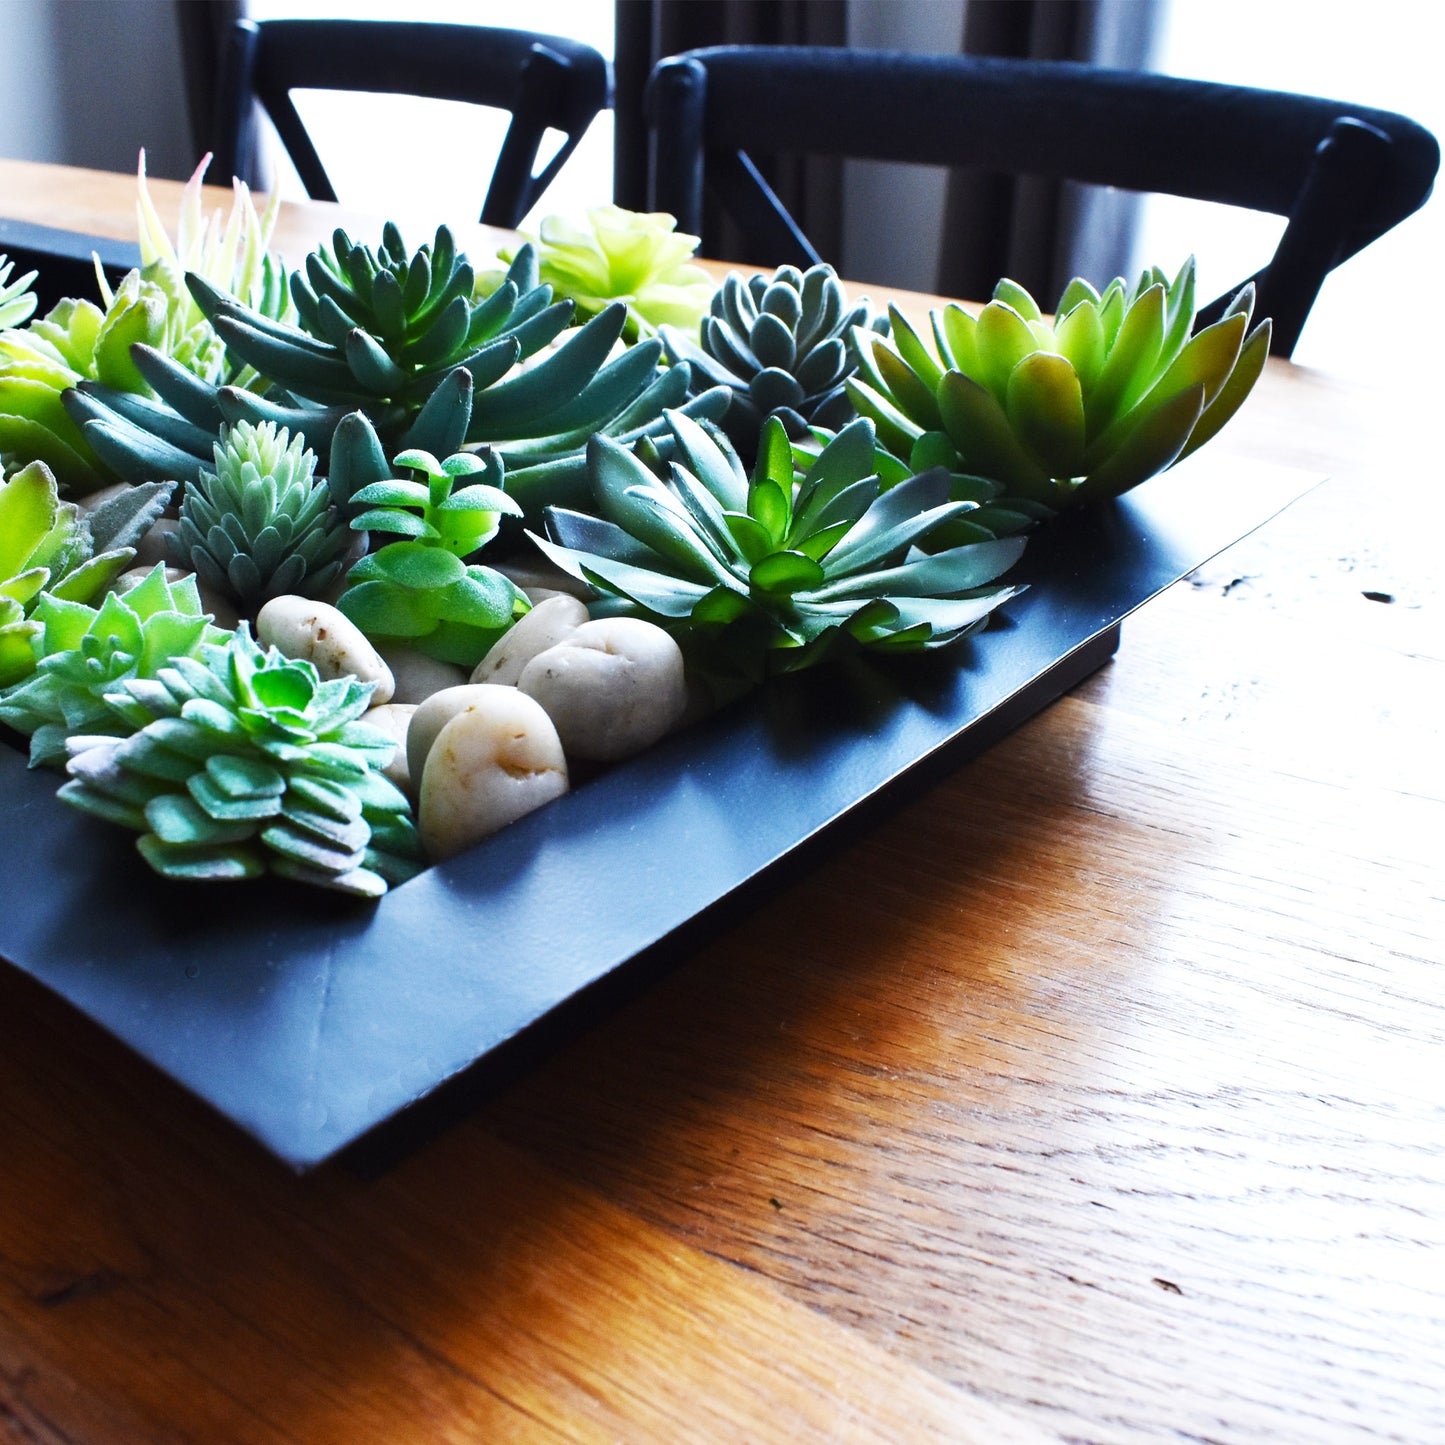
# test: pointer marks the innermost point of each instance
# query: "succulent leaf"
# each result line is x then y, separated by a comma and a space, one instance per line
17, 300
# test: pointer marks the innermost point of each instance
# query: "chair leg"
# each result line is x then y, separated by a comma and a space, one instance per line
676, 99
1349, 158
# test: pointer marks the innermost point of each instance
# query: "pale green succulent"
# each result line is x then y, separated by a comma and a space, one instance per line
17, 300
241, 762
260, 525
75, 342
638, 258
231, 251
50, 546
82, 653
1083, 407
79, 342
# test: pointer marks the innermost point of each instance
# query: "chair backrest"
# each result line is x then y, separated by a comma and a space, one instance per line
545, 81
1343, 174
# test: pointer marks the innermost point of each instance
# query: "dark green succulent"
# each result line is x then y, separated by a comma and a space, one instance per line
241, 762
50, 546
399, 340
417, 592
82, 653
1111, 391
783, 346
769, 573
260, 525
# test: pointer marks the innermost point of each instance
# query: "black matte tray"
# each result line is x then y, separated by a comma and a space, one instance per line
312, 1020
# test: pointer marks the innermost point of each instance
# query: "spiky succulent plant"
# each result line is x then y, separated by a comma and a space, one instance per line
75, 341
17, 300
229, 251
241, 762
78, 342
417, 592
260, 525
770, 572
1110, 392
47, 545
638, 258
82, 653
783, 345
398, 339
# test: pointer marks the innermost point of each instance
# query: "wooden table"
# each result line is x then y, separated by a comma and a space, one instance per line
1096, 1097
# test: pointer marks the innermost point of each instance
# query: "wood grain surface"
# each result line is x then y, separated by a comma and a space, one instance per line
1094, 1097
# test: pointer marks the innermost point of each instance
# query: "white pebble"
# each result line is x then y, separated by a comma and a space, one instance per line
492, 761
304, 628
393, 718
417, 675
544, 626
612, 688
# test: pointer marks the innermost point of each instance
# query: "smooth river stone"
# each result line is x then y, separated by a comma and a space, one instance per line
304, 628
493, 760
612, 687
547, 624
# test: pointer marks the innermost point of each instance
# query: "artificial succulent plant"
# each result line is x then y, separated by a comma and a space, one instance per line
783, 345
418, 592
399, 339
769, 572
51, 546
1110, 392
17, 300
240, 762
260, 525
79, 342
230, 251
81, 653
638, 258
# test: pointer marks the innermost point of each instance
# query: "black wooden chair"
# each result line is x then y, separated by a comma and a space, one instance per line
545, 81
1342, 174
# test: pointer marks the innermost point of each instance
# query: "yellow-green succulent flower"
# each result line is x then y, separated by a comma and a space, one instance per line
1081, 407
619, 255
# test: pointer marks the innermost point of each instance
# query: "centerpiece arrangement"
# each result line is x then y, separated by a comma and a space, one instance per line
331, 573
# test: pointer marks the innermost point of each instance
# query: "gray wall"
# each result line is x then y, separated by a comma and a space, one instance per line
89, 82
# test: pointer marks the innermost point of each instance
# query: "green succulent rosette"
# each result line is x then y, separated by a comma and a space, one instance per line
1077, 409
638, 258
241, 762
783, 345
418, 592
50, 547
261, 525
76, 341
81, 653
772, 572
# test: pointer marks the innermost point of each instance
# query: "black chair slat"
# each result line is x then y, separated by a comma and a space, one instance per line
545, 81
1307, 158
